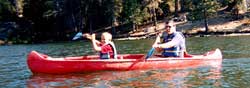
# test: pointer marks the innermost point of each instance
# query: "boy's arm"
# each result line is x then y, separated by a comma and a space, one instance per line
95, 42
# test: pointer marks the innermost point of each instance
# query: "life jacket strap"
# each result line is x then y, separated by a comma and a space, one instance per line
114, 49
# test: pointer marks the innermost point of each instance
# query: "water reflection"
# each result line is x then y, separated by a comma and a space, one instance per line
177, 78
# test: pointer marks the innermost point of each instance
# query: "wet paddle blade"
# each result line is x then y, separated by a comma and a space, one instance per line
77, 36
150, 53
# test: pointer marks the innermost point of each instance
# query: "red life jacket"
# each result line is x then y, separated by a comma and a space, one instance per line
108, 51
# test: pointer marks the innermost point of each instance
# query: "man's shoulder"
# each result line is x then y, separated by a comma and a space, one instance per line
180, 34
177, 32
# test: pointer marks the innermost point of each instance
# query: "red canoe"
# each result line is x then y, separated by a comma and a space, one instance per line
40, 63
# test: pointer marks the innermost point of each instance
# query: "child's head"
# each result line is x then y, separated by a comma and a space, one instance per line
106, 37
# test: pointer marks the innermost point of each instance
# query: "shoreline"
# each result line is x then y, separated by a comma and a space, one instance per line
219, 26
191, 35
220, 34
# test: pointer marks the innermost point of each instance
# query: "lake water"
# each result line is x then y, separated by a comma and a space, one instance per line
234, 73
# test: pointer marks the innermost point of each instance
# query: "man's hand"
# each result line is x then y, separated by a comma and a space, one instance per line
156, 45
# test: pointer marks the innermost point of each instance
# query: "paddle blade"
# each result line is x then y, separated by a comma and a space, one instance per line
77, 36
150, 53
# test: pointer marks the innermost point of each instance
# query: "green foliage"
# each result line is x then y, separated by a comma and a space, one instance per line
117, 7
49, 7
6, 9
165, 8
65, 16
131, 11
137, 18
187, 5
199, 6
146, 14
227, 1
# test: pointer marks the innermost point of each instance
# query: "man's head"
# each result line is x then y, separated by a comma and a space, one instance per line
170, 27
106, 37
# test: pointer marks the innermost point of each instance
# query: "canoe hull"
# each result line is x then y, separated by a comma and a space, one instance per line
40, 63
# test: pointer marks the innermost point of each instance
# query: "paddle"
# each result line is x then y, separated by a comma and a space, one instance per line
77, 36
150, 53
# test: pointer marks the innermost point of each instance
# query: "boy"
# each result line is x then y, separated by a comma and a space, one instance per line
106, 47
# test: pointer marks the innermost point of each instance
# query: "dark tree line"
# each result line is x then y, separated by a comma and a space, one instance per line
56, 20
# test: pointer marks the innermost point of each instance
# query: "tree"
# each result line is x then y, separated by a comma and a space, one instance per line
204, 9
116, 10
152, 5
19, 7
7, 9
132, 13
182, 5
205, 16
176, 8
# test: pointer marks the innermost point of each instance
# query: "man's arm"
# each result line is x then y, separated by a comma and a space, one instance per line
175, 41
157, 40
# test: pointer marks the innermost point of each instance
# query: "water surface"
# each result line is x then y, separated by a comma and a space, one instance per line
234, 73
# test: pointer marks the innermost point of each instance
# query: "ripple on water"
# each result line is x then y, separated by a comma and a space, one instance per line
235, 71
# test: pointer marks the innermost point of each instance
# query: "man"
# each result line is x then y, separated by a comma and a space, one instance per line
173, 43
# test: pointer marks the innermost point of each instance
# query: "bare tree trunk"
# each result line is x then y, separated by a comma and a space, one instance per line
113, 24
206, 23
176, 8
113, 19
74, 22
155, 19
90, 24
182, 6
205, 18
134, 27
